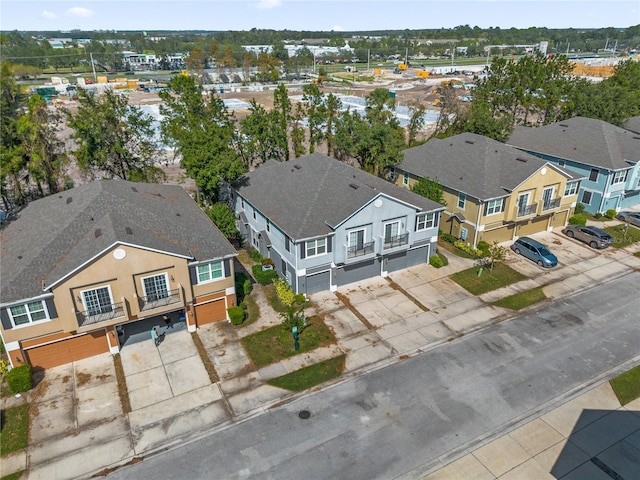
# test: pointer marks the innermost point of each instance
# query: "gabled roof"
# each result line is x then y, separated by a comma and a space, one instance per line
585, 140
53, 236
311, 195
633, 124
473, 164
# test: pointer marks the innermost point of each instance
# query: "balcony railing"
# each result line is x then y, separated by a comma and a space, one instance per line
528, 210
100, 314
551, 204
360, 250
396, 241
160, 299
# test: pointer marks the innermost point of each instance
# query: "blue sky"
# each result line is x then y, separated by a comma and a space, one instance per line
345, 15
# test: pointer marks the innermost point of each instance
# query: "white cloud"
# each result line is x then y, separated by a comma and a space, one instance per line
47, 15
337, 28
79, 12
268, 4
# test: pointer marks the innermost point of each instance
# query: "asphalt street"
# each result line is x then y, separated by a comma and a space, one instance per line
394, 421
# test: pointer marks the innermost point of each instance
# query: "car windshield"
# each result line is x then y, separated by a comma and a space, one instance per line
545, 252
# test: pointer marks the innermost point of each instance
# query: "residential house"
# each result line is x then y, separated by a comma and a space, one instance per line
81, 266
326, 224
493, 192
608, 156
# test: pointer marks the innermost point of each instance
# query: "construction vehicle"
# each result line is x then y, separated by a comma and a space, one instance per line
422, 74
402, 66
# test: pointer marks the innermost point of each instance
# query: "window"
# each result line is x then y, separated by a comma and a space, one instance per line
356, 239
391, 231
155, 287
570, 189
254, 213
547, 198
405, 178
287, 244
28, 313
619, 177
494, 206
523, 204
425, 220
463, 234
268, 226
316, 247
209, 272
462, 200
593, 176
242, 203
586, 198
561, 163
97, 301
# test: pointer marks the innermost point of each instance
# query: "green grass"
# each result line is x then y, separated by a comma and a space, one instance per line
522, 299
310, 376
13, 476
622, 239
275, 343
637, 254
627, 385
15, 429
501, 276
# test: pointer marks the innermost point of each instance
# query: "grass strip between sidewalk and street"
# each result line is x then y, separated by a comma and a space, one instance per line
15, 429
521, 300
311, 376
501, 276
276, 343
626, 386
13, 476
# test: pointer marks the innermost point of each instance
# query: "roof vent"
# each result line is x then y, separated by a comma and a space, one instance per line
69, 200
636, 137
134, 189
520, 159
470, 142
297, 167
563, 125
128, 230
354, 186
178, 215
98, 232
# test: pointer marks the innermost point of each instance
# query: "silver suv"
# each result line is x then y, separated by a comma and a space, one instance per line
594, 236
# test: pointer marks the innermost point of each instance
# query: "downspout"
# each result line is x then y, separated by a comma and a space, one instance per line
475, 235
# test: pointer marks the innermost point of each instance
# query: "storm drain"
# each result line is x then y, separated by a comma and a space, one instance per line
304, 414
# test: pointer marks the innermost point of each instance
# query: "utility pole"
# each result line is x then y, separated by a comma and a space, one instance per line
93, 66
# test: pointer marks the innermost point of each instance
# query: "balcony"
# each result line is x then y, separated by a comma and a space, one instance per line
528, 210
360, 250
396, 241
160, 299
100, 314
551, 204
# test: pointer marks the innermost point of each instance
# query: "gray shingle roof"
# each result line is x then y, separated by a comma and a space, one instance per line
310, 195
53, 236
472, 164
586, 140
633, 124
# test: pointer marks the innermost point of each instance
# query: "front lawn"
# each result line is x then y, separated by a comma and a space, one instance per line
522, 299
627, 385
501, 276
311, 376
622, 239
15, 429
275, 343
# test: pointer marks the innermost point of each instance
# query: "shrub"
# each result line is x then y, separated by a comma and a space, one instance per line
436, 262
264, 277
578, 220
284, 292
268, 261
579, 209
445, 260
4, 368
483, 247
299, 298
19, 378
236, 315
256, 256
467, 248
597, 216
610, 214
246, 287
447, 237
241, 279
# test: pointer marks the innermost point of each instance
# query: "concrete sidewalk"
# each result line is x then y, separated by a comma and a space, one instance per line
79, 427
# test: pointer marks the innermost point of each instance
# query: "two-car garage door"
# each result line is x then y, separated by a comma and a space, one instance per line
70, 350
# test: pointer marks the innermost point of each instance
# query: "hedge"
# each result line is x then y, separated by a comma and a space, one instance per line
19, 378
236, 315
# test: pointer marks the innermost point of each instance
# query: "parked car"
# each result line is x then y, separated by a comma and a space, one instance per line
594, 236
632, 218
534, 250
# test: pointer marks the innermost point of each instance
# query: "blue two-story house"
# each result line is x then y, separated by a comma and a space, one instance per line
606, 155
326, 224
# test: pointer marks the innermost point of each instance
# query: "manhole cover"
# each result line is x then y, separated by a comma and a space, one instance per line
304, 414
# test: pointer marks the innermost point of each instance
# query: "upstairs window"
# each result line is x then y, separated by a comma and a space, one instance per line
462, 201
593, 175
425, 220
28, 313
494, 206
570, 189
316, 247
209, 272
619, 177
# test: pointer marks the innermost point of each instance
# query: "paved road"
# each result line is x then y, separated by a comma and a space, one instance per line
397, 419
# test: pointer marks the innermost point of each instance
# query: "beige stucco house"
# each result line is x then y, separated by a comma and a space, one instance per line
493, 192
85, 269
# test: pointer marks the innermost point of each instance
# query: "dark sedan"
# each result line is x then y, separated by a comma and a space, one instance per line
593, 236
